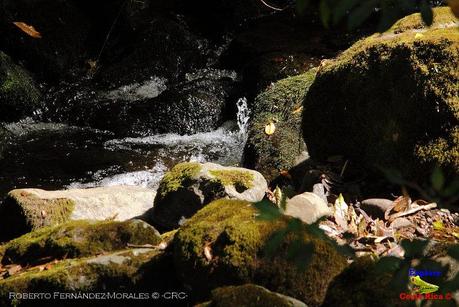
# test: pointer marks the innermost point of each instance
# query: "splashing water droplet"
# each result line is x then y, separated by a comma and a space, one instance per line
243, 116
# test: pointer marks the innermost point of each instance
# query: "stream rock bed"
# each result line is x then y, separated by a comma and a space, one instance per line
142, 153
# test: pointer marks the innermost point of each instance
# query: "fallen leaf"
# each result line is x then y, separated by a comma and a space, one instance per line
29, 30
438, 225
208, 252
285, 174
402, 203
341, 212
13, 269
270, 128
297, 110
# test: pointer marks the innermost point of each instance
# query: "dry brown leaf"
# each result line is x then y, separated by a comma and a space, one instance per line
29, 30
297, 110
13, 269
402, 203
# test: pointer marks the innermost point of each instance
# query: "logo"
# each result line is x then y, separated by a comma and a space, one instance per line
422, 287
422, 290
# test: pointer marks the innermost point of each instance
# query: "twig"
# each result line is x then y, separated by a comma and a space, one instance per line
344, 168
273, 7
412, 210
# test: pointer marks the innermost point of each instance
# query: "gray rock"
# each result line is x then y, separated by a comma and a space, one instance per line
188, 187
308, 207
400, 223
28, 209
376, 207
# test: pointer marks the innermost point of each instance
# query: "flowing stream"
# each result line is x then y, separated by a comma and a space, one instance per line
57, 156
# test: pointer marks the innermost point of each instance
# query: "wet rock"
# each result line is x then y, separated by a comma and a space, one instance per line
308, 207
279, 104
64, 30
190, 186
165, 48
248, 295
77, 239
149, 107
398, 107
19, 95
376, 207
29, 209
223, 245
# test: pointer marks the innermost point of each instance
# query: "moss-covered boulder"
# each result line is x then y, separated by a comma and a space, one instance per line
223, 244
138, 272
391, 100
77, 239
280, 104
249, 295
25, 210
361, 284
19, 95
188, 187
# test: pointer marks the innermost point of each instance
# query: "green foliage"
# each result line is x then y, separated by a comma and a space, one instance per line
355, 12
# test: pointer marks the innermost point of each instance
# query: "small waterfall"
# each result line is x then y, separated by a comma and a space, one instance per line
243, 116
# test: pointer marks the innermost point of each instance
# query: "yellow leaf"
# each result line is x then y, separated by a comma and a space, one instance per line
438, 225
419, 35
29, 30
270, 129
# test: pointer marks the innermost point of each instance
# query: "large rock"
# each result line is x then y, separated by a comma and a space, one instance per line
223, 244
149, 106
28, 209
391, 100
164, 48
19, 95
77, 239
135, 272
308, 207
249, 295
188, 187
281, 104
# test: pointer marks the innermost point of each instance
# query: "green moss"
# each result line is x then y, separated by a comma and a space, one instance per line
97, 274
18, 93
385, 96
442, 17
40, 212
246, 295
281, 104
236, 240
77, 239
441, 151
242, 179
178, 176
